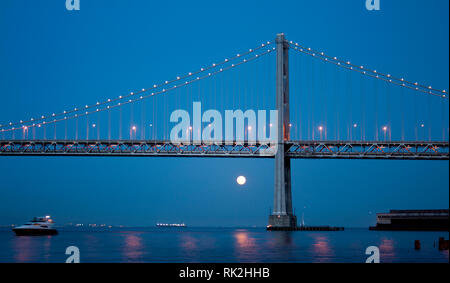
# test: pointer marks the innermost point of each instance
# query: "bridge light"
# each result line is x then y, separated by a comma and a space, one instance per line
270, 125
94, 125
385, 128
355, 125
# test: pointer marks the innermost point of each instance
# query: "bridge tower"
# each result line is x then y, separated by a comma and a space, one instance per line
282, 217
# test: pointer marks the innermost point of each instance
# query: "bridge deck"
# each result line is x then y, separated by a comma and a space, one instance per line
294, 149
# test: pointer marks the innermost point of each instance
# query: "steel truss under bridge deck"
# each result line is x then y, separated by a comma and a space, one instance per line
294, 149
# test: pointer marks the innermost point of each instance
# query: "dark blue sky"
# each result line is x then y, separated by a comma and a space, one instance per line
53, 59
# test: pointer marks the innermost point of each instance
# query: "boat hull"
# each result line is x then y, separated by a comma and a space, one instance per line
35, 232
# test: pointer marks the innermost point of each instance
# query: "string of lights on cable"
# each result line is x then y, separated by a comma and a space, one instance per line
369, 72
166, 86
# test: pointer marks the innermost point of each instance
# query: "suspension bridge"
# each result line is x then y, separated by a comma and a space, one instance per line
328, 108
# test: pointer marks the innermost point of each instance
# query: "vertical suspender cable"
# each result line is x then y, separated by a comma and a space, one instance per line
312, 96
363, 109
402, 99
388, 101
109, 125
338, 104
120, 122
416, 132
375, 88
87, 127
429, 117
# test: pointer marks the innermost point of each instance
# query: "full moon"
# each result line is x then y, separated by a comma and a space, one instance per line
241, 180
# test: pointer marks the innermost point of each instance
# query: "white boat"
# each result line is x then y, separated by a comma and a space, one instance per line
39, 226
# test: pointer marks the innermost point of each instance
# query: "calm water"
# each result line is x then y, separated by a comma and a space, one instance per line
221, 245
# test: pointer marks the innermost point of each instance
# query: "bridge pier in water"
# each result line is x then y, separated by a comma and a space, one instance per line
282, 217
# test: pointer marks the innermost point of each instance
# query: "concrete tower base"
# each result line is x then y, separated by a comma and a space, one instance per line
282, 222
